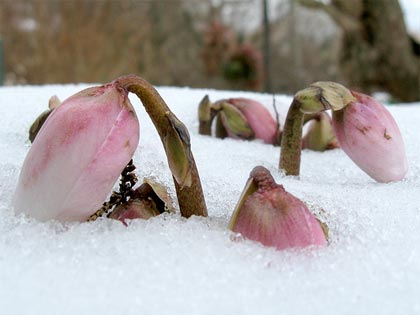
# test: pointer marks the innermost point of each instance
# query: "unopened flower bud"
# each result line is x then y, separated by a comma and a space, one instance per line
148, 200
78, 155
268, 214
364, 128
369, 135
241, 118
259, 118
235, 122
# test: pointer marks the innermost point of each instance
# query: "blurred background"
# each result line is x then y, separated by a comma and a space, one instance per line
277, 46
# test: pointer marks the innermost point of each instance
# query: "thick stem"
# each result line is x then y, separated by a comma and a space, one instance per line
291, 142
190, 196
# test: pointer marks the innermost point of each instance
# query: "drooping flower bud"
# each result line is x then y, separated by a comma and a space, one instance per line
78, 155
148, 200
37, 124
176, 142
259, 118
365, 130
320, 135
268, 214
370, 136
239, 118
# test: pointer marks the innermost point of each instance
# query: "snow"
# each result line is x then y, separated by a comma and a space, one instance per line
170, 265
411, 10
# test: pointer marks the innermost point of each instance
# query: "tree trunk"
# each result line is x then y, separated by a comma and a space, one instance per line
376, 53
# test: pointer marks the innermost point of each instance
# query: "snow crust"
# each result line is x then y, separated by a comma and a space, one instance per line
170, 265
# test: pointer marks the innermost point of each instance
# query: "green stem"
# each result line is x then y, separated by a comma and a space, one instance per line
291, 142
189, 192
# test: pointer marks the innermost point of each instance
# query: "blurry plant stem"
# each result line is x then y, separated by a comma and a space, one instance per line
206, 113
189, 192
205, 128
291, 141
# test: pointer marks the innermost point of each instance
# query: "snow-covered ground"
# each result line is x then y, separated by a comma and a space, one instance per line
170, 265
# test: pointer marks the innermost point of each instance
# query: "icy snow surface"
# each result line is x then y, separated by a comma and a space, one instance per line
169, 265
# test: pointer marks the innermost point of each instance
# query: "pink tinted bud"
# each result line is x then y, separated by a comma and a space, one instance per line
268, 214
147, 201
78, 155
370, 136
258, 117
134, 209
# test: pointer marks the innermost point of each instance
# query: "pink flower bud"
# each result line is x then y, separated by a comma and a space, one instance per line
370, 136
268, 214
147, 201
78, 155
135, 209
258, 118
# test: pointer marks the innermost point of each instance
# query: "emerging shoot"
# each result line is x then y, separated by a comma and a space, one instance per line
365, 130
81, 146
238, 118
266, 213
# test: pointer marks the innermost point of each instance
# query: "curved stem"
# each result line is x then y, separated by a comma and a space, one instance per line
312, 100
175, 139
291, 141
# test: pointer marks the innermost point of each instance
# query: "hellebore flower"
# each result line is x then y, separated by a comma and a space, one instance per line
320, 135
370, 136
88, 140
266, 213
148, 200
176, 142
364, 128
78, 155
238, 118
